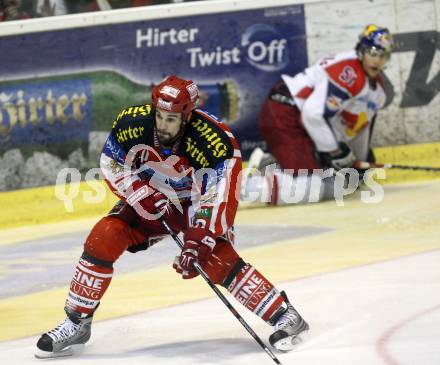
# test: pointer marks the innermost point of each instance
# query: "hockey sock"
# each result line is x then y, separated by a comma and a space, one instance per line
254, 291
88, 285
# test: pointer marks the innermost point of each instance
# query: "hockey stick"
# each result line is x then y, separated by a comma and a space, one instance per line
221, 296
415, 168
368, 165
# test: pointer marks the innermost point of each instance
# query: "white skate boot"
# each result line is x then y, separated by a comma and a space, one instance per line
255, 158
290, 328
65, 339
252, 181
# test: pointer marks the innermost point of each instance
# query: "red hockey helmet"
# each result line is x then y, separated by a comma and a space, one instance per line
175, 95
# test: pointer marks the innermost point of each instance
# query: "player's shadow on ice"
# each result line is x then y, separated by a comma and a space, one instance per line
197, 351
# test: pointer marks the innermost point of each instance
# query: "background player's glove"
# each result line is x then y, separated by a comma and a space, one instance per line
151, 200
198, 245
343, 159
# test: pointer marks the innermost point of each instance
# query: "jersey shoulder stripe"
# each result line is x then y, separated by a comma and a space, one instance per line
212, 118
222, 126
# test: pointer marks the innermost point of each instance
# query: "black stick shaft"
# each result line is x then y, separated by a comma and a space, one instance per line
415, 168
367, 165
222, 297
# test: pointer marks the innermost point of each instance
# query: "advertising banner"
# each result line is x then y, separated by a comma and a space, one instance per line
58, 87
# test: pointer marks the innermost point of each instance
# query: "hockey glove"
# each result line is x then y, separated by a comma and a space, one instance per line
186, 274
198, 246
343, 159
150, 200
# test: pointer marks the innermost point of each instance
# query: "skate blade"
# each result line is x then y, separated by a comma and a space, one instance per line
68, 351
290, 343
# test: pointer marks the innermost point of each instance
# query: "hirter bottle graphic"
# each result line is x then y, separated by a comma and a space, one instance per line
62, 110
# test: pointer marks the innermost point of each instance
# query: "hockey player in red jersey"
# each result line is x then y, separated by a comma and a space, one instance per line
323, 117
172, 160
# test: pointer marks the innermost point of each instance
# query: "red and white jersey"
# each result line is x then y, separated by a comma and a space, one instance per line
337, 102
202, 171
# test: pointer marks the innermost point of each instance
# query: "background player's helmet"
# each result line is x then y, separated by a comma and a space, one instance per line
175, 95
375, 37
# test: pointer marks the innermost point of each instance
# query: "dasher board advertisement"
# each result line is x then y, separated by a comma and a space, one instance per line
56, 87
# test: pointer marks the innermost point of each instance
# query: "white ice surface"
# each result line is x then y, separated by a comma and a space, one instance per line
385, 313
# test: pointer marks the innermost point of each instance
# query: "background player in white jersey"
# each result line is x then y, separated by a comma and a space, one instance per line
322, 118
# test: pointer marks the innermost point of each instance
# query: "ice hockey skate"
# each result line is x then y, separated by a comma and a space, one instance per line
255, 158
66, 339
290, 329
253, 167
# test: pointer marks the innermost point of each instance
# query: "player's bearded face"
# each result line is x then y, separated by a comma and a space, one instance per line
167, 125
373, 62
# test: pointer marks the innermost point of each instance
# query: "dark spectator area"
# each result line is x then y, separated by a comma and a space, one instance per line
26, 9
